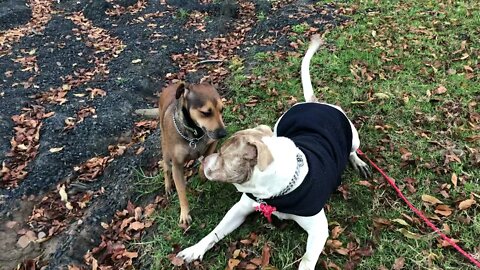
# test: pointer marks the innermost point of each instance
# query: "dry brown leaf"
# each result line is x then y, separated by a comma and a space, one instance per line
454, 179
443, 210
399, 263
466, 204
24, 241
265, 255
235, 253
175, 260
138, 213
444, 243
256, 261
232, 263
137, 225
336, 231
342, 251
473, 138
335, 244
130, 254
440, 90
430, 199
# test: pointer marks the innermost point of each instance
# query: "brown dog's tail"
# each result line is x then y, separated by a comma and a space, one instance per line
315, 43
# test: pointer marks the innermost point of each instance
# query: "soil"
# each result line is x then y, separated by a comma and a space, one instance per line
75, 70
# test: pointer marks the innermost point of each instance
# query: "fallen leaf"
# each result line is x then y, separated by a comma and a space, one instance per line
430, 199
137, 225
10, 224
444, 243
236, 253
440, 90
454, 179
63, 194
130, 254
24, 241
232, 263
466, 204
256, 261
399, 263
473, 138
381, 95
408, 234
265, 255
336, 231
175, 260
401, 222
56, 149
443, 210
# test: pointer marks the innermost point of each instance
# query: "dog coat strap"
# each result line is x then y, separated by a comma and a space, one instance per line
266, 210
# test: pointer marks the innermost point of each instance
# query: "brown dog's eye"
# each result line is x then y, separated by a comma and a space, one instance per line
206, 114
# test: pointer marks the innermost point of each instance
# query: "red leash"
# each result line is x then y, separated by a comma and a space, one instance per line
419, 213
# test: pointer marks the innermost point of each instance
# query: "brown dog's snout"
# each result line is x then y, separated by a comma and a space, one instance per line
220, 133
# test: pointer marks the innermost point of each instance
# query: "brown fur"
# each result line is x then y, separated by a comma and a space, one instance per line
204, 106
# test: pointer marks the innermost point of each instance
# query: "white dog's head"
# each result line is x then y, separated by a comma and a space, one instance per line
238, 156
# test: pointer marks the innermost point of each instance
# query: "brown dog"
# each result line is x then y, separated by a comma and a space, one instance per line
190, 123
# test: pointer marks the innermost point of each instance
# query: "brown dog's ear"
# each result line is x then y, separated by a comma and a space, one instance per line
259, 150
182, 88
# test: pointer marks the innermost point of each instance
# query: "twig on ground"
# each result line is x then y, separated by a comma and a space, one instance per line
209, 61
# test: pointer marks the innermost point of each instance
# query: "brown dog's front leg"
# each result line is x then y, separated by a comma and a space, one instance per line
180, 184
167, 175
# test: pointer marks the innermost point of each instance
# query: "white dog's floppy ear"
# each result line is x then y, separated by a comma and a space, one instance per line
257, 149
265, 129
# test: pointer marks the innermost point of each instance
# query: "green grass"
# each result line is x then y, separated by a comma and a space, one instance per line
383, 67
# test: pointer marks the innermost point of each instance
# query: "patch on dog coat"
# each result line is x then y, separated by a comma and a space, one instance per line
324, 135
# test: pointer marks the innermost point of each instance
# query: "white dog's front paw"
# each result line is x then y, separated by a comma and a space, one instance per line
192, 253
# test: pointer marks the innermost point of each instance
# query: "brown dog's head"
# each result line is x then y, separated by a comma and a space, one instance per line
204, 106
238, 156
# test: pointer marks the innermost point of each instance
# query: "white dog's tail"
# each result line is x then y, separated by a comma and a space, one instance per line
315, 43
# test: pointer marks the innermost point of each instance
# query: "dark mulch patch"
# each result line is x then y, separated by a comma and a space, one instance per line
59, 66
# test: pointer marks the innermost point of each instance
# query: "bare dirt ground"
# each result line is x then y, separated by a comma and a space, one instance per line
71, 75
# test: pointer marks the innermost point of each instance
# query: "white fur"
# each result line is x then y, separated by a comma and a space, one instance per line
274, 179
280, 171
305, 69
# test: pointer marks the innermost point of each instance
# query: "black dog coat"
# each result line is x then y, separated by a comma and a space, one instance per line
324, 135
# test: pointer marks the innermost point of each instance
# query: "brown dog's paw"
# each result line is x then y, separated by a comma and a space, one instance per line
168, 189
185, 219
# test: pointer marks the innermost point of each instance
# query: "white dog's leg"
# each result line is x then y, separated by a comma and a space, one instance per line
358, 164
317, 229
234, 218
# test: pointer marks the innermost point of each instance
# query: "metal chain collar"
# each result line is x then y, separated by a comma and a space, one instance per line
292, 182
295, 176
192, 142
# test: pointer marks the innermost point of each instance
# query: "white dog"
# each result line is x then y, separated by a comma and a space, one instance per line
289, 173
